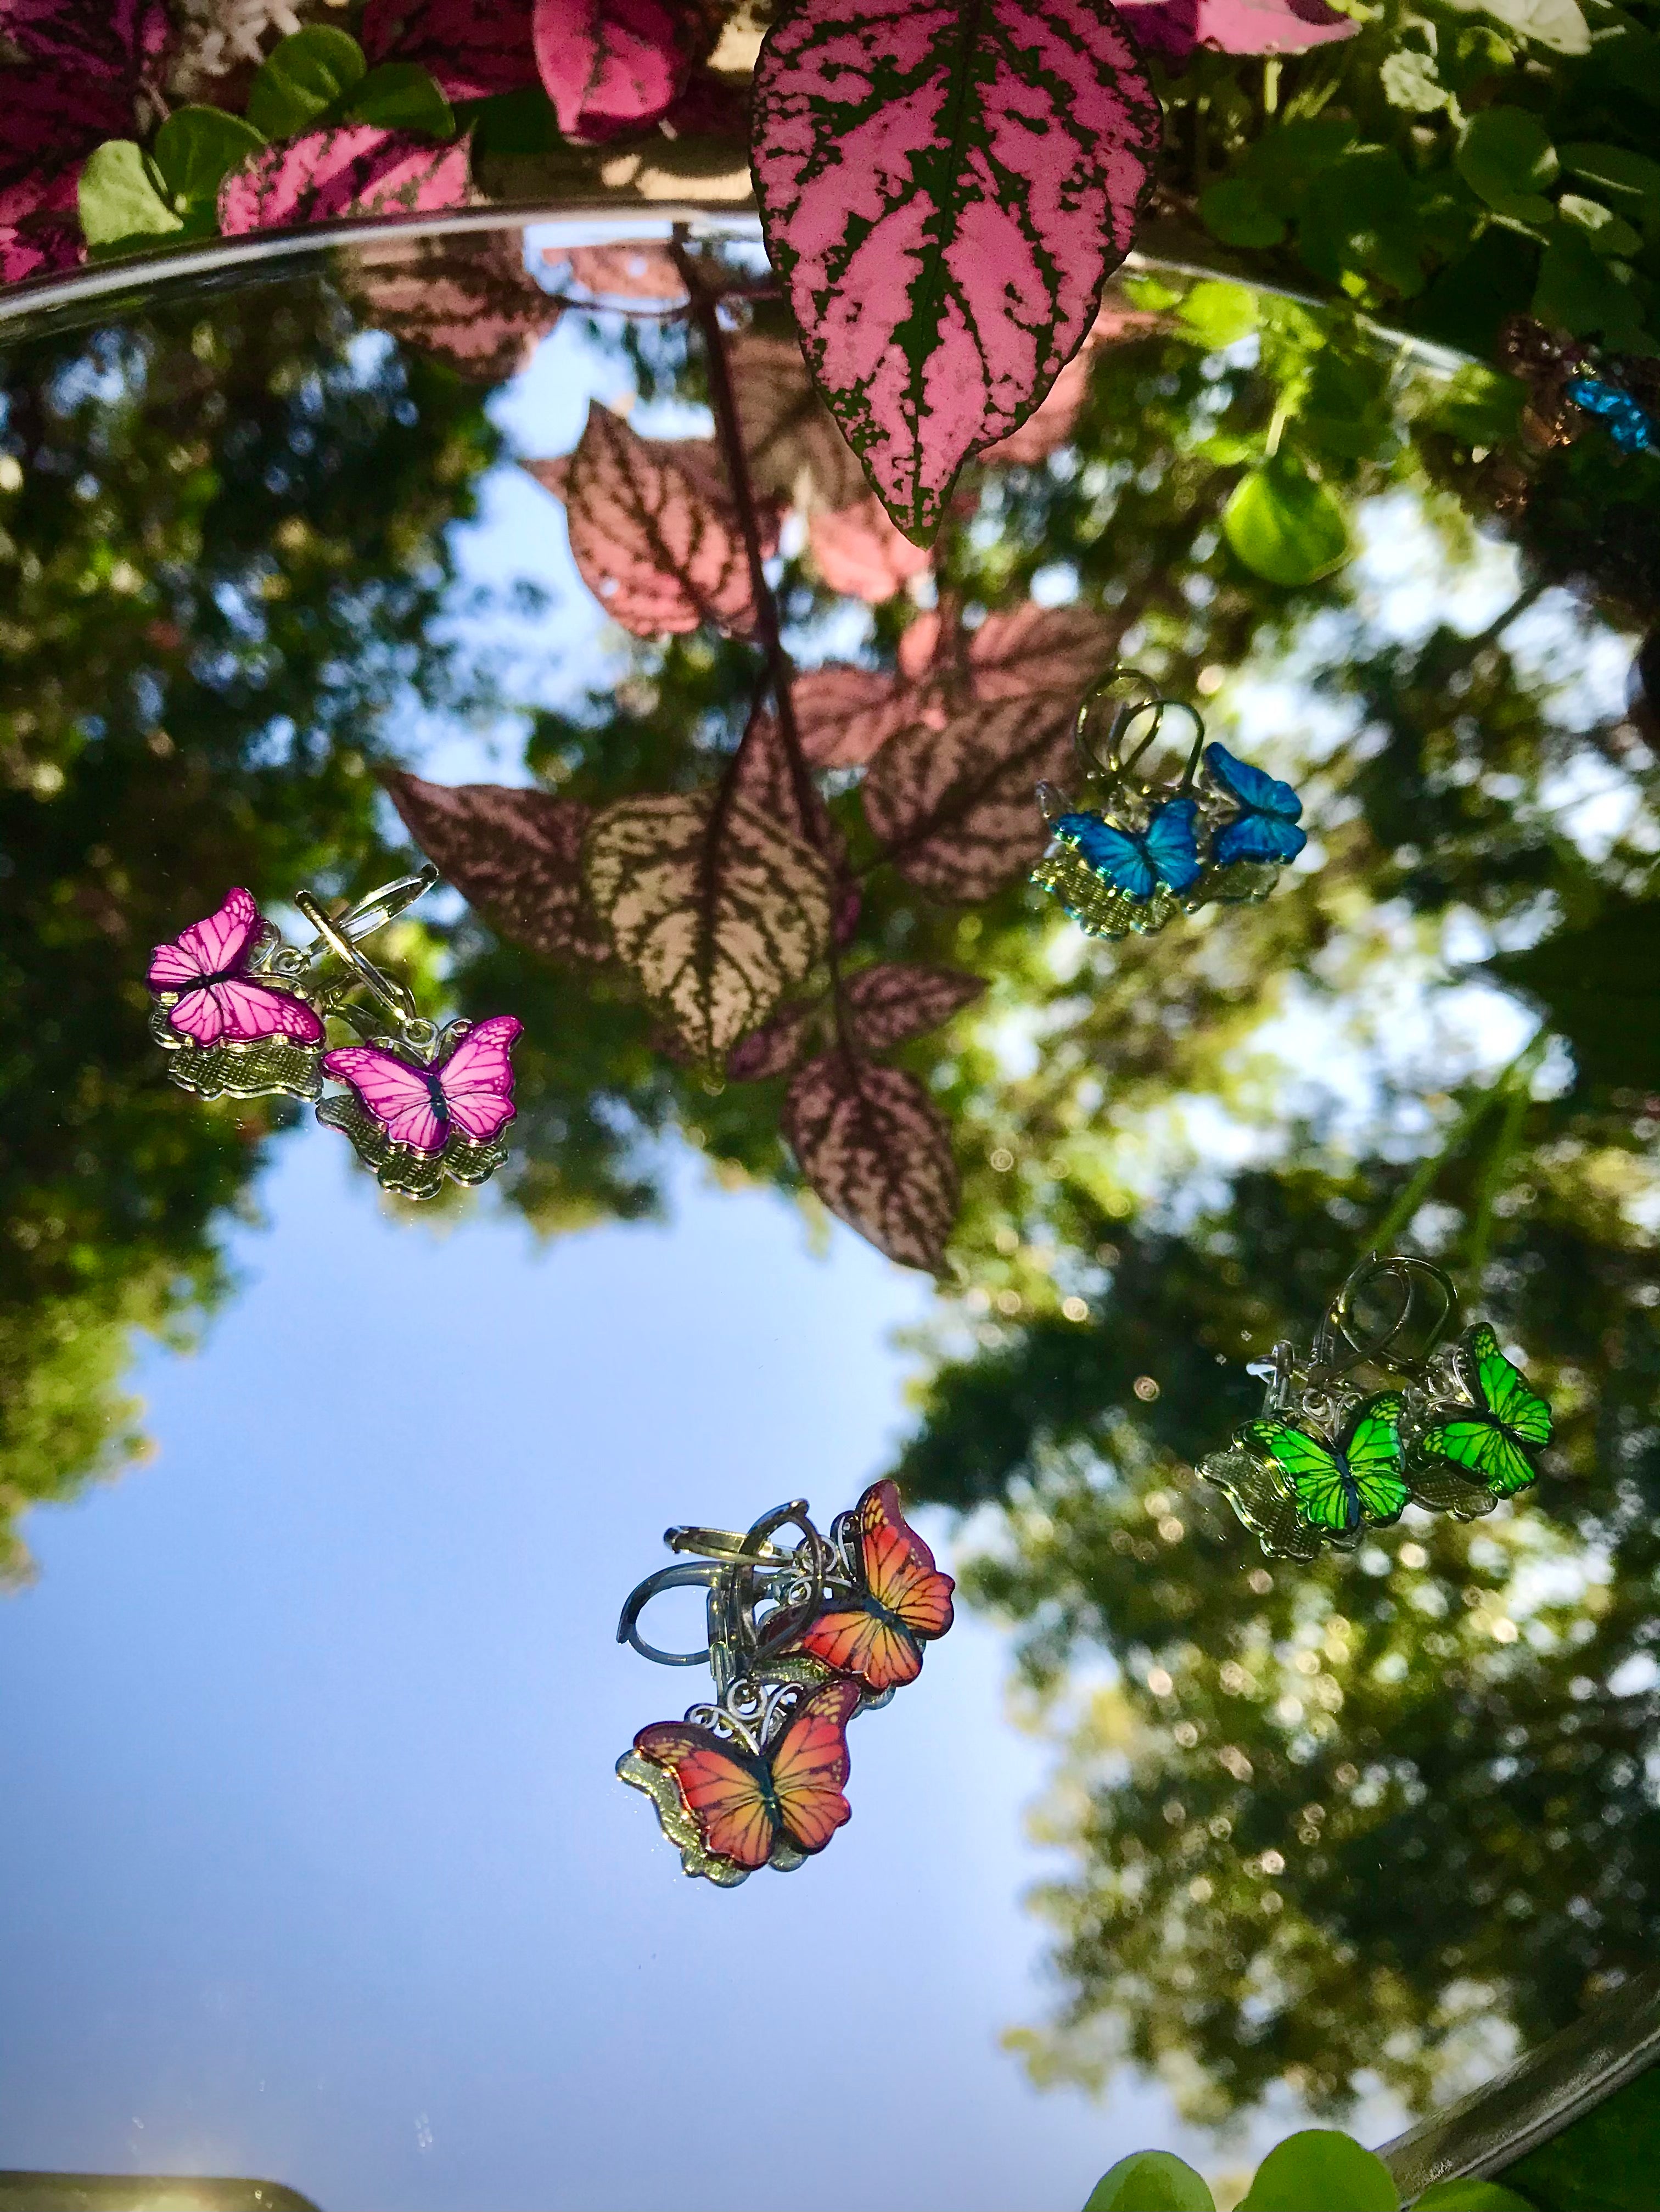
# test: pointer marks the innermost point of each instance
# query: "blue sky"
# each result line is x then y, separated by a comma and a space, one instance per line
317, 1866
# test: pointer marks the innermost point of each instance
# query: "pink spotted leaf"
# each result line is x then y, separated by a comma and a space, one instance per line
945, 185
622, 272
773, 1049
102, 41
895, 1001
515, 855
1174, 28
612, 65
845, 714
763, 775
467, 299
354, 169
861, 553
876, 1150
955, 807
471, 49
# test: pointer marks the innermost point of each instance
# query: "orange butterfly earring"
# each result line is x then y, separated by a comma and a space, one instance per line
800, 1637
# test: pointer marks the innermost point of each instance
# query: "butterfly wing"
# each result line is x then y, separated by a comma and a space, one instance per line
1502, 1388
207, 950
1251, 787
1325, 1496
1476, 1442
1112, 852
477, 1078
1266, 829
1252, 836
399, 1096
899, 1570
1375, 1453
1170, 845
810, 1765
856, 1640
724, 1789
237, 1011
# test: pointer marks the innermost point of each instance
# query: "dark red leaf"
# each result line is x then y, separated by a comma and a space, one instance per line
716, 907
354, 169
107, 41
516, 855
622, 272
38, 245
762, 774
472, 49
877, 1151
771, 1050
468, 299
656, 543
53, 121
860, 552
1058, 651
845, 713
612, 65
957, 807
794, 449
944, 188
894, 1000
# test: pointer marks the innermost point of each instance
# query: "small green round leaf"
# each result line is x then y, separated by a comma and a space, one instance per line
197, 149
1235, 211
119, 201
1469, 2196
1151, 2181
401, 96
303, 78
1505, 155
1284, 526
1219, 314
1321, 2171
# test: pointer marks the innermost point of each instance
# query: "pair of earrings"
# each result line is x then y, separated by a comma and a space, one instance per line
239, 1014
1443, 1420
1133, 851
801, 1638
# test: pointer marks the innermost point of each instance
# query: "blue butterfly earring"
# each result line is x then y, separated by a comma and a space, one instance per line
1133, 851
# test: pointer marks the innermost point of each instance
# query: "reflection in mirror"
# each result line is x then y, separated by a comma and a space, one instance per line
761, 877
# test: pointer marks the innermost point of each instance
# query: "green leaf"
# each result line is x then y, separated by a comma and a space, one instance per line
1362, 220
197, 149
1557, 24
1285, 164
1151, 2181
1479, 407
1235, 212
1613, 169
1321, 2171
1283, 525
1609, 233
121, 201
1477, 53
1469, 2196
1219, 314
402, 96
1409, 81
1579, 292
303, 78
1506, 158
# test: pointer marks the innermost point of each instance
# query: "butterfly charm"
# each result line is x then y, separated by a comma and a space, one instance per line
415, 1121
1265, 827
1136, 862
733, 1805
1339, 1488
1497, 1438
235, 1026
1630, 427
897, 1602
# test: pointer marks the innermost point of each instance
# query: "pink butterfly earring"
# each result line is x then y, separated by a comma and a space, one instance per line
421, 1103
238, 1012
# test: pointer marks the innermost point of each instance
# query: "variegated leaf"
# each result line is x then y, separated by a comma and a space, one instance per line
1028, 651
773, 1049
717, 907
515, 854
612, 65
353, 169
467, 299
471, 49
622, 272
895, 1000
94, 41
957, 807
945, 185
859, 552
1173, 28
764, 776
794, 449
845, 713
877, 1151
657, 544
1049, 428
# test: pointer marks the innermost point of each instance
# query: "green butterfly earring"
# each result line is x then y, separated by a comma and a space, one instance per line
1381, 1412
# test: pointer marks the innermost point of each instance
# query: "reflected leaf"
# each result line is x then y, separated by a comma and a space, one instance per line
876, 1149
1284, 526
893, 1001
1051, 424
859, 552
717, 907
844, 713
773, 1049
655, 539
515, 854
794, 448
956, 807
1600, 990
623, 272
764, 776
472, 303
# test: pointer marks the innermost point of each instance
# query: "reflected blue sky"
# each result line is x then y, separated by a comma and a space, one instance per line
316, 1865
